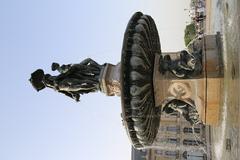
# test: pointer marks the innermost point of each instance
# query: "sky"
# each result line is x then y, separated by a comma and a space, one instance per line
34, 33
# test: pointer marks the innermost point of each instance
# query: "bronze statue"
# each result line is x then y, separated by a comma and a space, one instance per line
73, 80
187, 66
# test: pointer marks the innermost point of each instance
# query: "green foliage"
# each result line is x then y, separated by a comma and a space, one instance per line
189, 33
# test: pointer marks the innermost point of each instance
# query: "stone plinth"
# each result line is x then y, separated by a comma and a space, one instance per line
168, 87
110, 80
202, 91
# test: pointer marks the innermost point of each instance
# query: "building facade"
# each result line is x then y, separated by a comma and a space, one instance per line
178, 140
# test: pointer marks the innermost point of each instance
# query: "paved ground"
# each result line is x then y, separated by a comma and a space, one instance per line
225, 17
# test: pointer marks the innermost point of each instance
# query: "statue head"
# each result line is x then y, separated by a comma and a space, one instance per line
189, 59
55, 66
191, 62
37, 79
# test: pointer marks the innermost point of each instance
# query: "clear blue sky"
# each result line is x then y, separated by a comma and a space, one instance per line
33, 34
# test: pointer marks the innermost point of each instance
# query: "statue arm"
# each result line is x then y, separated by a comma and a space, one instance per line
61, 69
89, 61
64, 68
71, 95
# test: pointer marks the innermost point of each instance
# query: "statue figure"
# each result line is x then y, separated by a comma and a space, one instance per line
188, 111
73, 80
188, 65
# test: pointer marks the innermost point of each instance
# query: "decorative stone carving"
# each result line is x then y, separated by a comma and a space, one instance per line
180, 90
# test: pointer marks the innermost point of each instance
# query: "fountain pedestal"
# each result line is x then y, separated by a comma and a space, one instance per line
202, 91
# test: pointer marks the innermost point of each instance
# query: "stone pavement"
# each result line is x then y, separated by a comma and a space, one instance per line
225, 17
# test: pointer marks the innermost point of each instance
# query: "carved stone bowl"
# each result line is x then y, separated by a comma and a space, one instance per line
140, 115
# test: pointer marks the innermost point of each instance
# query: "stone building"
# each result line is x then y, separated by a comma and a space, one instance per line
178, 140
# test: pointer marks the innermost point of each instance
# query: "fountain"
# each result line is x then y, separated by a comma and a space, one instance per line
151, 83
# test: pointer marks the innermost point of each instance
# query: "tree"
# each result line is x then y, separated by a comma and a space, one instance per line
189, 33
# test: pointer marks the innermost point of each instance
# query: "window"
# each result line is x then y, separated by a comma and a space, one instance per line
173, 140
173, 129
159, 152
162, 128
190, 142
171, 154
194, 155
190, 130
